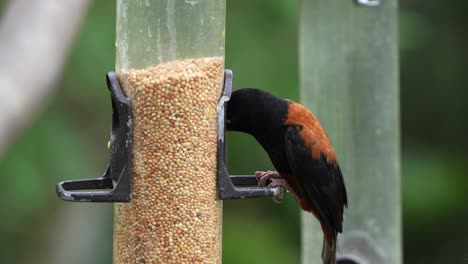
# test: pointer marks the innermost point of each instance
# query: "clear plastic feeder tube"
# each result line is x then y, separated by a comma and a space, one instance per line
170, 62
349, 79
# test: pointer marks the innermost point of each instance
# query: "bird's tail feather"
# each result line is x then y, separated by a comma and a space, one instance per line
329, 251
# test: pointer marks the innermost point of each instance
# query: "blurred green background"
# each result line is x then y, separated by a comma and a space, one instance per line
68, 141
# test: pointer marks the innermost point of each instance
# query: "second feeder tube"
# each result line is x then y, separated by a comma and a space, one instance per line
349, 79
170, 62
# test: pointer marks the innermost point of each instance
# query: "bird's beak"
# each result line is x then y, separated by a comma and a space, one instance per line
228, 121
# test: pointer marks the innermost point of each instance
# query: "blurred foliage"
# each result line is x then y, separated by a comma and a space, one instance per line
68, 141
433, 61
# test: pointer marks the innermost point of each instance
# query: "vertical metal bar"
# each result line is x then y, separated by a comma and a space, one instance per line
349, 79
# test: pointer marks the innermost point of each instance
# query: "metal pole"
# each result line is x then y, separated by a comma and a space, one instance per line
349, 79
170, 62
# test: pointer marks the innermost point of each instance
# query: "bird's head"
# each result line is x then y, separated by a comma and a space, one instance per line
239, 110
250, 110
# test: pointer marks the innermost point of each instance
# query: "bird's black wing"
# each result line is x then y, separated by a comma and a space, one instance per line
321, 181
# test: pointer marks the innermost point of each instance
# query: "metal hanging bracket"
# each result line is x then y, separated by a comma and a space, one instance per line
234, 186
118, 173
368, 2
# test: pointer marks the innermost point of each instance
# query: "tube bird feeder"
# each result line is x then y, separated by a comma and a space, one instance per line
349, 78
167, 171
170, 64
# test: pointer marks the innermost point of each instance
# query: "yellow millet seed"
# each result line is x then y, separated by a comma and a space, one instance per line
175, 214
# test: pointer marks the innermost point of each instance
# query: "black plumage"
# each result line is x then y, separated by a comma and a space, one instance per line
301, 153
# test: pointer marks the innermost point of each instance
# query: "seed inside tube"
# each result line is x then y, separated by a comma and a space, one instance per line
174, 215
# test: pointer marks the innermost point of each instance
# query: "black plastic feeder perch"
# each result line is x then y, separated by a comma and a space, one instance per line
117, 176
118, 172
234, 186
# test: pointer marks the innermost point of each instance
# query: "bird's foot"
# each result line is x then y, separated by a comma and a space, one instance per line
272, 179
283, 187
263, 177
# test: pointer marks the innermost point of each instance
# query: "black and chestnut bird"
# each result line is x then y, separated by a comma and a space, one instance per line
301, 153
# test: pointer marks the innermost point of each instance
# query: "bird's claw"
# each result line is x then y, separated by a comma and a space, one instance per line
283, 186
272, 179
264, 176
